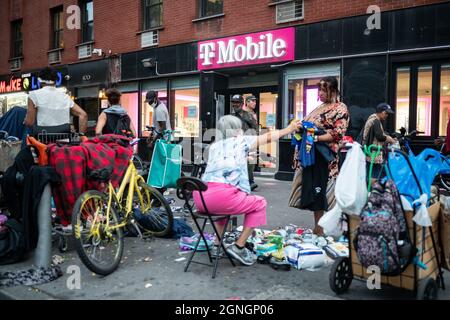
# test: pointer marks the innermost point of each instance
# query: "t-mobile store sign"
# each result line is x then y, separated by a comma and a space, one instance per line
255, 48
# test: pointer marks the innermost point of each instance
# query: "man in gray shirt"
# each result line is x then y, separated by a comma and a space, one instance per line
161, 118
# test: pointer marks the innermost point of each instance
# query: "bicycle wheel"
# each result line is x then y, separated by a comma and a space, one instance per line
156, 217
100, 248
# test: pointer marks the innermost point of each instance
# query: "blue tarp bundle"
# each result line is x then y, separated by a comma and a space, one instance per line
426, 166
12, 122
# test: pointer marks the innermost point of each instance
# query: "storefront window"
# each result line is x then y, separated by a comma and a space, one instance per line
424, 91
444, 100
11, 100
303, 97
268, 122
402, 103
147, 111
129, 102
187, 112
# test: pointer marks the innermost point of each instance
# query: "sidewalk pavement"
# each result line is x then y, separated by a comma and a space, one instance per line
154, 270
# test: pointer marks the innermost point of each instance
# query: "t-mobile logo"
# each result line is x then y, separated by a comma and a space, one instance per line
207, 52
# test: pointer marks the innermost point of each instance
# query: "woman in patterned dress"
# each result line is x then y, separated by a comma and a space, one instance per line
316, 181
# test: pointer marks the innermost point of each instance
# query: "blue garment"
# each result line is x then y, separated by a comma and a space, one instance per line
307, 150
12, 122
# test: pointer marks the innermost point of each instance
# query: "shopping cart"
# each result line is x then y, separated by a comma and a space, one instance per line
423, 281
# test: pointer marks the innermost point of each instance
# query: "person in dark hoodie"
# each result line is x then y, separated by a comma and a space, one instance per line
108, 119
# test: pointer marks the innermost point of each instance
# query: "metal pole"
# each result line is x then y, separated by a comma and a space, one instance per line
43, 253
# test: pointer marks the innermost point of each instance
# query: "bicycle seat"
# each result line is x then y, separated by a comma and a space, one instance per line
102, 175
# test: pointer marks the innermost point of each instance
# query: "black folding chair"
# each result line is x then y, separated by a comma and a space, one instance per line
187, 185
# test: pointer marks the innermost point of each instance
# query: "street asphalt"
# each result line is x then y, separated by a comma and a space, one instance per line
154, 269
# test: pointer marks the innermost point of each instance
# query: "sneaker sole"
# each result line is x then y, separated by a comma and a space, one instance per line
237, 257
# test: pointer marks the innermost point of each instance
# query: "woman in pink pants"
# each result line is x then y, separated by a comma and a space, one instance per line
227, 178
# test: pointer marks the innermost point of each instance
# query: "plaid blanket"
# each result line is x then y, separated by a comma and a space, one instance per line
73, 164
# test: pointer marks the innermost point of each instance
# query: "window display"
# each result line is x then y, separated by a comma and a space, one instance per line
187, 112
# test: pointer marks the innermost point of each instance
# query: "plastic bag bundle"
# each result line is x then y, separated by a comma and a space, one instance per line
351, 187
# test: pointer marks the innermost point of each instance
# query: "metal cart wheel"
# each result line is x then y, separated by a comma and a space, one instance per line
341, 275
427, 289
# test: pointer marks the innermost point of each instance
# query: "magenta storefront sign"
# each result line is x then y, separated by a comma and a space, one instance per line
248, 49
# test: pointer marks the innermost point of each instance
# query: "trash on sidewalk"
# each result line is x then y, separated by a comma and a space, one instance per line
180, 259
30, 277
291, 246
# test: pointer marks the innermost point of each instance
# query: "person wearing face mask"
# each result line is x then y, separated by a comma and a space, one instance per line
313, 185
161, 118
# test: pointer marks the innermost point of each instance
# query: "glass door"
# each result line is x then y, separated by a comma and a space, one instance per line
267, 119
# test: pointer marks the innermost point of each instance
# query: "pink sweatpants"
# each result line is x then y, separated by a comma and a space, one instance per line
224, 199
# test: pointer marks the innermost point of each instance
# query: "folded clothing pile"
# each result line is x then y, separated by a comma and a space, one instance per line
189, 243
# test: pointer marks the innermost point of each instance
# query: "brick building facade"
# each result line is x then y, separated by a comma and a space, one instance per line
405, 62
117, 23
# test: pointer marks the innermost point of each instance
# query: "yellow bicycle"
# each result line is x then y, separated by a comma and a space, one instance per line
100, 218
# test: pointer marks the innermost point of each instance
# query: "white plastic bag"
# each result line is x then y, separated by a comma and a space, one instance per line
351, 184
332, 223
422, 218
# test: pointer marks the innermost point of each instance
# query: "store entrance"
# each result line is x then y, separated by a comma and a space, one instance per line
266, 111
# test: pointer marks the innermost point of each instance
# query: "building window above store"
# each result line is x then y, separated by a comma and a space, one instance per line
288, 10
57, 39
87, 19
210, 8
152, 14
16, 39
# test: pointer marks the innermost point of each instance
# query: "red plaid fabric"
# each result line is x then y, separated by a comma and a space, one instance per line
73, 163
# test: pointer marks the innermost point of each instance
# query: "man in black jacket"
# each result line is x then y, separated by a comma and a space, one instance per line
373, 134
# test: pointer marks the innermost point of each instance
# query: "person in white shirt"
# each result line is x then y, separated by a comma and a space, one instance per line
48, 107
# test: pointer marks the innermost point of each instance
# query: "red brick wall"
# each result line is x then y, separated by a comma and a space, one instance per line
117, 22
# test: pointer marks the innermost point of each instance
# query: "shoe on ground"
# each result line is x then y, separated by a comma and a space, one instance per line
215, 250
244, 256
253, 186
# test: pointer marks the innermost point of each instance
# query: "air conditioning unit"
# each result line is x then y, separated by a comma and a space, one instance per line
289, 11
54, 57
16, 64
149, 39
85, 51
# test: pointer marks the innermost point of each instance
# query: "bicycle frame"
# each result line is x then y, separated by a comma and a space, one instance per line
130, 179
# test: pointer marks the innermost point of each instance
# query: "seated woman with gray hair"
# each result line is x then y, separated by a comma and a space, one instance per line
227, 178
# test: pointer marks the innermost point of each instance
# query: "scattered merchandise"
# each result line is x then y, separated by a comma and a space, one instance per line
291, 246
336, 250
189, 243
305, 256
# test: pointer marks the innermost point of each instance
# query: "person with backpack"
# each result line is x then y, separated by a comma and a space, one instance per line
115, 119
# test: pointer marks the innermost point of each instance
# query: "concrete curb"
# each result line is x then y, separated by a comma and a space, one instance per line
25, 293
